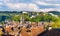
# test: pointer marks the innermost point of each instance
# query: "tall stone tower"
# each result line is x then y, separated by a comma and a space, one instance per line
21, 20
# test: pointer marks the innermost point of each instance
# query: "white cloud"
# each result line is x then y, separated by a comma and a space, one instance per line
23, 6
46, 9
33, 6
45, 3
16, 6
1, 3
42, 3
11, 1
6, 1
49, 9
52, 0
1, 0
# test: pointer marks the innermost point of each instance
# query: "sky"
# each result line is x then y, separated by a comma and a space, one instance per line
30, 5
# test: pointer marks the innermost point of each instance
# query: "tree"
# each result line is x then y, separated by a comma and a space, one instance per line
47, 18
54, 19
16, 18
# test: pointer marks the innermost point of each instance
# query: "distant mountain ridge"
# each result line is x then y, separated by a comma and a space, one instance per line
55, 12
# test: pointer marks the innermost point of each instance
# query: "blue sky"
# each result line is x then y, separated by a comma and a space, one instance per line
29, 5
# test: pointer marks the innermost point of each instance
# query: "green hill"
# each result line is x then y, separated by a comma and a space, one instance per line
55, 12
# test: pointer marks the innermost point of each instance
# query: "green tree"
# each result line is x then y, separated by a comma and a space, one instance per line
47, 18
54, 19
16, 18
